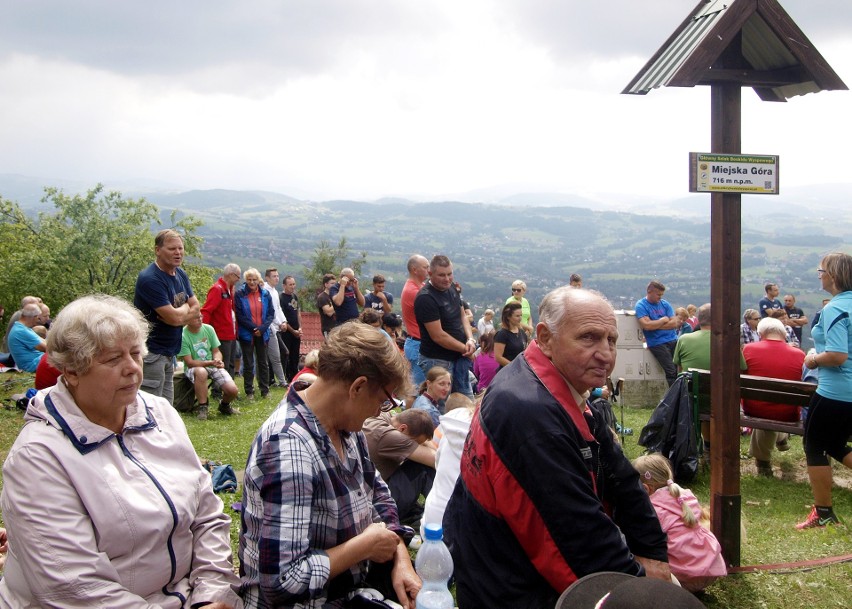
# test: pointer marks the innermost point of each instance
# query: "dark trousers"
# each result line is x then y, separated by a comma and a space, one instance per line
254, 353
665, 355
227, 347
291, 366
406, 484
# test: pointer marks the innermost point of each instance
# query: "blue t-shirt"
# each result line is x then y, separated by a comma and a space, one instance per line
154, 289
349, 309
654, 312
833, 333
371, 301
765, 305
22, 346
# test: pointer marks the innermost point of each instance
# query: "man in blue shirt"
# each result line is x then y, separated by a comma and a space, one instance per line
770, 301
346, 297
165, 297
659, 324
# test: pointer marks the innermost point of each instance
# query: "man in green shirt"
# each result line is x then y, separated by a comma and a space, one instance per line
202, 360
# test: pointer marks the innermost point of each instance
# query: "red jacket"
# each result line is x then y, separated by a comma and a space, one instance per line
218, 310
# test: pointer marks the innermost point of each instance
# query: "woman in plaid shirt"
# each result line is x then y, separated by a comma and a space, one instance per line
317, 518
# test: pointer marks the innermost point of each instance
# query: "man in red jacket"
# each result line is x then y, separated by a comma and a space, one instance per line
772, 357
218, 311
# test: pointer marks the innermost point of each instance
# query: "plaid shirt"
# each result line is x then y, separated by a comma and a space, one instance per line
747, 335
299, 499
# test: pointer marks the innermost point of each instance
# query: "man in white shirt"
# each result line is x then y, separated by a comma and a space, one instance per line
279, 324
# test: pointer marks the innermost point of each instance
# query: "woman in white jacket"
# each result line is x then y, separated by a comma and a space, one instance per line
105, 501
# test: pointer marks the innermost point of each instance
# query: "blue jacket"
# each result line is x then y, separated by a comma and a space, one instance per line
245, 325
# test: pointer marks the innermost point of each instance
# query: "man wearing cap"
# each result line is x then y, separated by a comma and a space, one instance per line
545, 494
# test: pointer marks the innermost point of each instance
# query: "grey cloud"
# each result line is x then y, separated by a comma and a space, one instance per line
168, 38
578, 30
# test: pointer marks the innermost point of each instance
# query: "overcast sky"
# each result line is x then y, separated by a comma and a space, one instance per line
371, 98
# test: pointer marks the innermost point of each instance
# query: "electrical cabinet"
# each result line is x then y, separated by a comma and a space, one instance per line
634, 361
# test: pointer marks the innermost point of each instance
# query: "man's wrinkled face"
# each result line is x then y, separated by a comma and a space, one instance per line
789, 301
584, 347
421, 270
290, 286
441, 277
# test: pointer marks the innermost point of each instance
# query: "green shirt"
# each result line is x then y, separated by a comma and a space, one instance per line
693, 351
199, 346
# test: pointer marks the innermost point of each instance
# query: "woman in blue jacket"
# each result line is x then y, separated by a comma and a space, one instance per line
253, 306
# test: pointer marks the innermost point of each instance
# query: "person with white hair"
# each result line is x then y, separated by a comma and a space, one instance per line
346, 297
25, 346
104, 498
771, 357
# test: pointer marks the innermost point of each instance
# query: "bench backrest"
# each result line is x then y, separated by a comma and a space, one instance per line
779, 391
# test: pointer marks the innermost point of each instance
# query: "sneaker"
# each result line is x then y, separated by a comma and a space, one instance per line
764, 468
227, 409
264, 395
202, 412
250, 397
283, 385
625, 431
815, 521
783, 446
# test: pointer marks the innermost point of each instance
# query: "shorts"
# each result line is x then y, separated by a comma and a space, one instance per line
219, 376
827, 430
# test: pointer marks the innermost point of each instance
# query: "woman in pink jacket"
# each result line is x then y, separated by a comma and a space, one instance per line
104, 499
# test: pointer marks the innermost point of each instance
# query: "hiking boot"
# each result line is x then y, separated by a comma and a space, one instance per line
815, 521
202, 412
226, 409
764, 468
783, 445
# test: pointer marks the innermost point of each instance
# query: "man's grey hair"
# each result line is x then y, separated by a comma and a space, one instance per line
232, 267
31, 310
769, 325
29, 300
555, 305
89, 326
704, 315
347, 271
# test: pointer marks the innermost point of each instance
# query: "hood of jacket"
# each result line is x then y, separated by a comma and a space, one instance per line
57, 407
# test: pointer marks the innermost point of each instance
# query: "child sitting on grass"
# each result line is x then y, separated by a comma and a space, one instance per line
695, 556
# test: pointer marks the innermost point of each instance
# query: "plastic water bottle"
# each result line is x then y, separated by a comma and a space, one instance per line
434, 565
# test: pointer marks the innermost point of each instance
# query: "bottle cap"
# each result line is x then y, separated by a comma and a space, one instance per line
433, 532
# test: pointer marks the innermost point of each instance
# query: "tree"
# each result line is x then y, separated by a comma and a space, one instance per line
327, 259
93, 243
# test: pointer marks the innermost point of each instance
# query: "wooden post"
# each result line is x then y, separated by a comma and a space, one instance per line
725, 253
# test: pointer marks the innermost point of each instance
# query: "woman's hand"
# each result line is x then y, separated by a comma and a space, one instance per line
406, 583
381, 542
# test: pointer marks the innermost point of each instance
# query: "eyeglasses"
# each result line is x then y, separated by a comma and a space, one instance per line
389, 404
754, 319
516, 289
821, 272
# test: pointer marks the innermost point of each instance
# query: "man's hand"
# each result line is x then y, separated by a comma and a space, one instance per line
655, 568
217, 363
406, 583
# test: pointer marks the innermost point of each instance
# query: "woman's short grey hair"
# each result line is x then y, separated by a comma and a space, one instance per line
89, 326
251, 272
749, 313
770, 325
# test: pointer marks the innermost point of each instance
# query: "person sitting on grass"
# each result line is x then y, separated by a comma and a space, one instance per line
399, 445
695, 556
202, 360
433, 391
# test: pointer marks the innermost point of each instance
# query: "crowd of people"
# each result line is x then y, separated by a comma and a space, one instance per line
490, 422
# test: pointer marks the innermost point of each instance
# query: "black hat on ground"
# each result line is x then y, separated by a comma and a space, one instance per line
607, 590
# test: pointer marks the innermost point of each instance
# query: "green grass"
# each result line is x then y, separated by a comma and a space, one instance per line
770, 508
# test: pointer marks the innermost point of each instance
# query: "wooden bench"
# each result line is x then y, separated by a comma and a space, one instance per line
779, 391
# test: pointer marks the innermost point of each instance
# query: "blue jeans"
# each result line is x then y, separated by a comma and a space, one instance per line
412, 354
459, 369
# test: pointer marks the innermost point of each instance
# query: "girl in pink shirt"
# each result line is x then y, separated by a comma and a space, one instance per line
695, 556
